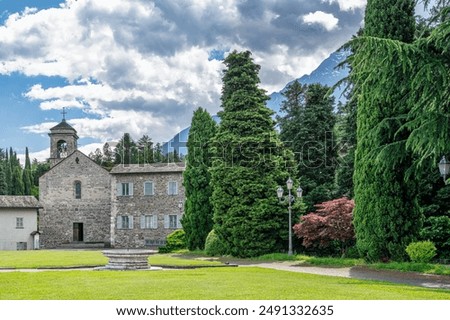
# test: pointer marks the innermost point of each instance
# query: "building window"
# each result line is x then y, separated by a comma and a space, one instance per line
172, 221
21, 246
149, 221
19, 223
125, 222
77, 190
125, 189
172, 188
148, 188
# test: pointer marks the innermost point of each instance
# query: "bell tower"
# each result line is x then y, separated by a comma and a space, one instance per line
63, 141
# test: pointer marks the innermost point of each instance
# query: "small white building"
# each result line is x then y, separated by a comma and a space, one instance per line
19, 223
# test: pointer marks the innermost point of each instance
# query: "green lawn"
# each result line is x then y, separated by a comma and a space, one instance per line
200, 284
78, 258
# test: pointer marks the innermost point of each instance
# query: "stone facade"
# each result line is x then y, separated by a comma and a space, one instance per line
147, 204
74, 213
133, 206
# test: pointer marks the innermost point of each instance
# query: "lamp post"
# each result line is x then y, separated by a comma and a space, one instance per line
444, 167
290, 200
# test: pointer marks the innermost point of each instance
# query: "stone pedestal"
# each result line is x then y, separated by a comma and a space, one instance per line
128, 259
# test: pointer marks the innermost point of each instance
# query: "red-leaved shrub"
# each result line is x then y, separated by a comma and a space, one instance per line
331, 222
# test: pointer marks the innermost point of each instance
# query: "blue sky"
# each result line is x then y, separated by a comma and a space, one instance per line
142, 66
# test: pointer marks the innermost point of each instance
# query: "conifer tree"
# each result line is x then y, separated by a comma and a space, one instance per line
17, 188
27, 174
386, 216
248, 166
8, 173
198, 213
307, 127
3, 185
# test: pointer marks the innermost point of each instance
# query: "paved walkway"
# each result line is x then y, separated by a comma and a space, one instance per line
410, 278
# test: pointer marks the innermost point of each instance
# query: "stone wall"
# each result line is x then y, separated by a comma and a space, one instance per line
159, 204
62, 209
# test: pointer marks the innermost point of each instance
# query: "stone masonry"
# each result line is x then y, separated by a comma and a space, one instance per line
66, 219
134, 206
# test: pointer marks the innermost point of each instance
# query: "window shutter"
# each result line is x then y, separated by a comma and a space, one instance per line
119, 222
119, 189
166, 221
143, 226
131, 225
179, 225
130, 185
175, 187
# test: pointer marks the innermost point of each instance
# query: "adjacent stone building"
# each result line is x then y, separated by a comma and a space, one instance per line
18, 223
133, 206
147, 203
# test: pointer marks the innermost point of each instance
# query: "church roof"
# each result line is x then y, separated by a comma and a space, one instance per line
63, 125
19, 202
149, 168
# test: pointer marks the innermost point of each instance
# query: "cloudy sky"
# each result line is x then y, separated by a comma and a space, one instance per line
143, 66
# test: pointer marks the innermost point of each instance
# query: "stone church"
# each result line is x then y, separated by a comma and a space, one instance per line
85, 205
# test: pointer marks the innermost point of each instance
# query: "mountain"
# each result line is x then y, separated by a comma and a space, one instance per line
325, 74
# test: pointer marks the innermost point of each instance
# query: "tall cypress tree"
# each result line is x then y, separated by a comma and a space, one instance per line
3, 184
386, 215
27, 174
198, 215
248, 166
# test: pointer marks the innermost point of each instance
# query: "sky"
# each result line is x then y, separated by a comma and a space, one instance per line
142, 66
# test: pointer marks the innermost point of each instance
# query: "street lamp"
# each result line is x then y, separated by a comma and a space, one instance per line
290, 199
444, 167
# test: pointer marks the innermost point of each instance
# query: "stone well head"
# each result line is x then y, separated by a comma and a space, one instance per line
128, 259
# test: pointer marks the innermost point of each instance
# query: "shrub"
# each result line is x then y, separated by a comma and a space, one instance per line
437, 230
422, 251
331, 224
175, 241
213, 245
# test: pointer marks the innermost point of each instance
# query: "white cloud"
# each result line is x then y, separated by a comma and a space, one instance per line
348, 5
142, 66
327, 20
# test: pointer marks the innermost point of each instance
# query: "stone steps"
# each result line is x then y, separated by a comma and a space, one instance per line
83, 245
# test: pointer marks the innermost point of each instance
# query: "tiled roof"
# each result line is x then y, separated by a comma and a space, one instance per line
63, 125
19, 202
149, 168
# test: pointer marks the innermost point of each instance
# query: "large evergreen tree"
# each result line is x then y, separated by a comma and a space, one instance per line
307, 127
346, 141
198, 212
248, 165
386, 216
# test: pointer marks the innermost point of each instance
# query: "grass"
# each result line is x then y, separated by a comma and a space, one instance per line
70, 259
243, 283
30, 259
199, 284
73, 259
